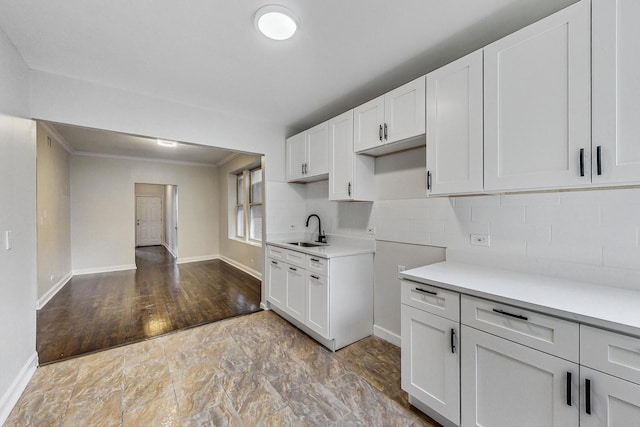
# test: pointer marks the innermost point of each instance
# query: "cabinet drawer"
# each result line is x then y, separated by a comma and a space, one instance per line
292, 257
431, 299
545, 333
610, 352
317, 265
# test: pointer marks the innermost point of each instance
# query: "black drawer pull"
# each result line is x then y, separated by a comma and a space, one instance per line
569, 388
293, 269
274, 263
315, 277
426, 291
315, 260
517, 316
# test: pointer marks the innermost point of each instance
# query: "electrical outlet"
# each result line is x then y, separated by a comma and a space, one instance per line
480, 239
371, 230
401, 268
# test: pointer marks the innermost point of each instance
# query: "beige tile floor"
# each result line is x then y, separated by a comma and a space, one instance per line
247, 371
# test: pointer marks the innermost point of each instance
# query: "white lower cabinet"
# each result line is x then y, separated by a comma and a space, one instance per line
277, 292
430, 361
607, 401
508, 384
296, 299
330, 299
318, 303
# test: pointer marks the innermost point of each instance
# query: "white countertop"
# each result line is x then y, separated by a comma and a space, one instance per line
332, 250
604, 306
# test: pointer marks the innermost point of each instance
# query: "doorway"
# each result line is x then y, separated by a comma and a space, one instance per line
149, 222
157, 216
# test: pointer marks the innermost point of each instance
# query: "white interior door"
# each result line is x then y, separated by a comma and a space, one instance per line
148, 220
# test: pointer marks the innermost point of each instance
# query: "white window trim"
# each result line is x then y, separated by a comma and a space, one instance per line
247, 204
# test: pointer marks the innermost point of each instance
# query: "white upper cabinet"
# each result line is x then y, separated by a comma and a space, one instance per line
350, 174
397, 116
295, 156
454, 127
307, 154
616, 91
369, 123
538, 106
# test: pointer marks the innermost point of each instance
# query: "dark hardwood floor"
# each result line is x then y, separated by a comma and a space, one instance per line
99, 311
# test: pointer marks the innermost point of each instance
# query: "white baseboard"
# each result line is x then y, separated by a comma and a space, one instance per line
240, 266
11, 396
170, 250
109, 269
387, 335
53, 291
187, 260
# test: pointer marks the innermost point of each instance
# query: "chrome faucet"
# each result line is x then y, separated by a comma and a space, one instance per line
321, 237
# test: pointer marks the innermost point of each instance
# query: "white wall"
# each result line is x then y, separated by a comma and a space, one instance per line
53, 221
171, 219
18, 282
246, 255
103, 210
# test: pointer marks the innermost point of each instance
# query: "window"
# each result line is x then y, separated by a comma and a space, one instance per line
248, 207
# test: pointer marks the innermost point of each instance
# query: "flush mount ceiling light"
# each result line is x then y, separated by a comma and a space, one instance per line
165, 143
276, 22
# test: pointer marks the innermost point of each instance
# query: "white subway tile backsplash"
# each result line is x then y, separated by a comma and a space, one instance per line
523, 232
585, 254
506, 214
584, 235
622, 258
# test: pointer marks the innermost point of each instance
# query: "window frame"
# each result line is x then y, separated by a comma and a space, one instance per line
247, 203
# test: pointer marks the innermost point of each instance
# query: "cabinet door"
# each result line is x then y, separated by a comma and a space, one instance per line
616, 91
404, 111
454, 127
613, 402
431, 361
317, 150
537, 104
318, 304
341, 157
296, 292
277, 283
295, 156
367, 125
508, 384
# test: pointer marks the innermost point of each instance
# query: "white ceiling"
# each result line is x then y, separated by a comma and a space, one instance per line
86, 140
207, 52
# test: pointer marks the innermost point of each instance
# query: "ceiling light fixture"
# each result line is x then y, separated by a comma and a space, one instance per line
276, 22
165, 143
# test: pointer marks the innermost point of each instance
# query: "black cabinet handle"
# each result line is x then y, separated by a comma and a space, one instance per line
517, 316
582, 162
293, 269
569, 388
315, 277
380, 133
386, 133
428, 180
453, 340
599, 159
349, 189
274, 263
315, 260
587, 396
426, 291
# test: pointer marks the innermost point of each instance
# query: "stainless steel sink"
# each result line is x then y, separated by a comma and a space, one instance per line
307, 244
